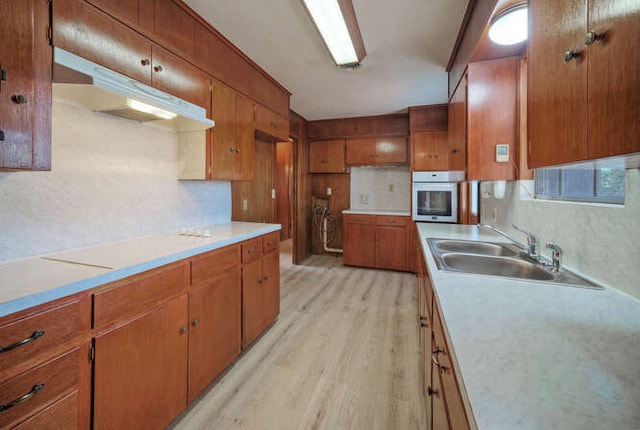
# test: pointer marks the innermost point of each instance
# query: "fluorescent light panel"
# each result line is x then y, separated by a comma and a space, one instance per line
328, 18
143, 107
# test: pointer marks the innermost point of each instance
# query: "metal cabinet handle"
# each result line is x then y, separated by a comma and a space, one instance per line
266, 278
196, 322
252, 250
158, 68
591, 37
570, 54
431, 392
22, 399
424, 322
145, 61
434, 361
259, 281
20, 99
34, 336
237, 150
271, 242
184, 330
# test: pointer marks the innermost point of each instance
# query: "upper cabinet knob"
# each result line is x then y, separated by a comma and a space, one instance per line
158, 68
145, 61
570, 54
20, 99
592, 37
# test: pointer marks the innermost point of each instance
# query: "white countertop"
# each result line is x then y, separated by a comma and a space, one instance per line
539, 356
377, 212
33, 281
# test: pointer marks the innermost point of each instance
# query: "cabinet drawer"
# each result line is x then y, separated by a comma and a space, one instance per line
62, 414
360, 219
138, 295
251, 249
270, 242
214, 263
39, 387
399, 221
28, 337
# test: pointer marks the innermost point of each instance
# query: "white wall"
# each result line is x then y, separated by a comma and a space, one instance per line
381, 188
601, 241
111, 179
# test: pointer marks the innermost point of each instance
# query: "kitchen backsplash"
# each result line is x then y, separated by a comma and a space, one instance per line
600, 241
111, 179
381, 188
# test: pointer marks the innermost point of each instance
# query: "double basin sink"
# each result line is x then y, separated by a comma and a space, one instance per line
499, 259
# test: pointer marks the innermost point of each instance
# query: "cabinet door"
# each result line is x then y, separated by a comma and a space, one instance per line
215, 336
245, 140
252, 299
175, 28
614, 71
223, 135
391, 248
359, 245
175, 76
138, 13
557, 93
271, 287
361, 152
140, 378
430, 150
391, 150
327, 156
439, 420
89, 33
458, 127
271, 123
25, 95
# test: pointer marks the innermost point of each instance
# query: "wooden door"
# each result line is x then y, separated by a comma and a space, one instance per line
557, 93
359, 245
223, 151
255, 201
89, 33
361, 152
252, 299
25, 95
391, 248
327, 156
391, 150
140, 378
457, 127
614, 71
215, 336
431, 150
271, 287
245, 140
284, 187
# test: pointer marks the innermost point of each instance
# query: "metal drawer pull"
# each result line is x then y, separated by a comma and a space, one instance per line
22, 399
433, 359
271, 242
34, 336
259, 281
431, 392
195, 322
424, 322
252, 250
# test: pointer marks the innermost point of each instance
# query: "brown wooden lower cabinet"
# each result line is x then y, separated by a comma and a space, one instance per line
375, 241
443, 399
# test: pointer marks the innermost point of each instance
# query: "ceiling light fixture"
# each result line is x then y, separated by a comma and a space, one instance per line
509, 26
336, 21
143, 107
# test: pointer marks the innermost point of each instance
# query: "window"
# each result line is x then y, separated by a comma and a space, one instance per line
596, 182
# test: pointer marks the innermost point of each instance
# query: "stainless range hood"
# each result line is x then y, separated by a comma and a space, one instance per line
100, 89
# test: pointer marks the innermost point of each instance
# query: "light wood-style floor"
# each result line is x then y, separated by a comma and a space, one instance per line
343, 354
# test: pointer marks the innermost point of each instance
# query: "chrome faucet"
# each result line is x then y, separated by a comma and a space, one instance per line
532, 242
556, 255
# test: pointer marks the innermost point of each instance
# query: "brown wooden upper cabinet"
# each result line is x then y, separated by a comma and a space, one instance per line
81, 29
137, 13
274, 125
25, 87
327, 156
372, 151
457, 127
430, 143
492, 114
583, 89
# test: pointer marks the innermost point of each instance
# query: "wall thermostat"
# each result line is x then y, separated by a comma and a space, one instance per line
502, 153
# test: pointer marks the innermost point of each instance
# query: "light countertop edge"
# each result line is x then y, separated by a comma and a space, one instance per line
58, 292
390, 212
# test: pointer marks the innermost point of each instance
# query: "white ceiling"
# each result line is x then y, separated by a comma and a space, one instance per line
408, 44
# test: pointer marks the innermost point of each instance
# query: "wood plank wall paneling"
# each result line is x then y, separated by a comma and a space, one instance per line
381, 125
302, 189
284, 187
339, 200
473, 24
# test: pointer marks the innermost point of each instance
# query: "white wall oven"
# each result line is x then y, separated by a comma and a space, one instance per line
435, 196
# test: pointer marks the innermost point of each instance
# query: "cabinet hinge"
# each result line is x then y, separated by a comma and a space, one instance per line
92, 354
49, 33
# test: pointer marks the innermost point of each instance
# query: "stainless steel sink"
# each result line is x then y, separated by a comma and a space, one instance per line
495, 266
480, 248
499, 259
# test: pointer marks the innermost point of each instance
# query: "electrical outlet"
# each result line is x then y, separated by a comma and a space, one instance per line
329, 191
